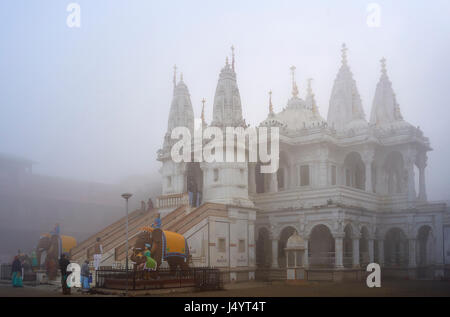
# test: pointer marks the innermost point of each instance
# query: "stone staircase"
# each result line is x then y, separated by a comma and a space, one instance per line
113, 237
112, 234
180, 220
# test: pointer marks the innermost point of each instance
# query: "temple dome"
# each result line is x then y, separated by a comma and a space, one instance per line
295, 242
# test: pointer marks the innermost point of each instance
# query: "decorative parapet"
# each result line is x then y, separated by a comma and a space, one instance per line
172, 200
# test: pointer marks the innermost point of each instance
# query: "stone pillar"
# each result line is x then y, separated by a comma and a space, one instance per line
355, 252
273, 183
438, 256
368, 159
381, 252
305, 255
421, 164
323, 166
412, 253
409, 165
275, 253
251, 244
233, 244
371, 257
339, 250
252, 178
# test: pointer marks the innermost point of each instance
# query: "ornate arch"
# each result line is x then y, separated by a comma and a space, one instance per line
258, 229
310, 226
282, 227
417, 227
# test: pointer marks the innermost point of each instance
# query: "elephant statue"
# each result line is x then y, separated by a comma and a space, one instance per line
164, 246
53, 245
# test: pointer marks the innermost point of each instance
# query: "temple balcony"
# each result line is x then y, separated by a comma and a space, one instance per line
305, 198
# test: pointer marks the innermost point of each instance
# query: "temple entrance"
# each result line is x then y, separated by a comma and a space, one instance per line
364, 257
425, 246
284, 236
321, 247
396, 251
263, 249
194, 183
425, 249
348, 246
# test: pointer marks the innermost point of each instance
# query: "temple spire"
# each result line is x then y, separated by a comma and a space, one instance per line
385, 109
203, 112
174, 76
310, 100
294, 83
309, 89
227, 108
345, 111
344, 54
383, 66
270, 103
232, 57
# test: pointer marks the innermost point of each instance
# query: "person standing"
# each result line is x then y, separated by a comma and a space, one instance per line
149, 204
192, 189
16, 270
157, 223
34, 261
98, 250
63, 263
85, 276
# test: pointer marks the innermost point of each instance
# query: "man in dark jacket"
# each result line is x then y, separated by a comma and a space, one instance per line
16, 271
63, 263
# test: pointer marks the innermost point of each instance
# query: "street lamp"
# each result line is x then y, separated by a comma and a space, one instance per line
126, 196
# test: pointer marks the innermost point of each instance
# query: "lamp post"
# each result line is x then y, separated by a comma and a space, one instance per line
126, 196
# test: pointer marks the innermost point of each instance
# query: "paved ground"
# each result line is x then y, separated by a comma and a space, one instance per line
388, 288
313, 289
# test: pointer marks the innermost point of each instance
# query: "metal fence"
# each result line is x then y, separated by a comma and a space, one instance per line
116, 278
5, 273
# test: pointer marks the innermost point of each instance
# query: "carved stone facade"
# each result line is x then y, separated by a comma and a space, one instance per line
345, 185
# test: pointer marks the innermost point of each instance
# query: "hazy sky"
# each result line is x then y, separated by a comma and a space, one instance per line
92, 103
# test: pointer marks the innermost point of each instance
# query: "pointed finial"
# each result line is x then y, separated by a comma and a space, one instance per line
344, 53
174, 76
232, 57
309, 89
203, 111
270, 102
294, 84
314, 105
226, 61
383, 65
181, 76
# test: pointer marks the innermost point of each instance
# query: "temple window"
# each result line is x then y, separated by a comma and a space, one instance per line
221, 245
241, 248
304, 175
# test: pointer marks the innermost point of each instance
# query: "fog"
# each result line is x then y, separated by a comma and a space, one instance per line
92, 103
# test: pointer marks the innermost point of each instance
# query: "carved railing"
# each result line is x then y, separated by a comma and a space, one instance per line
172, 200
